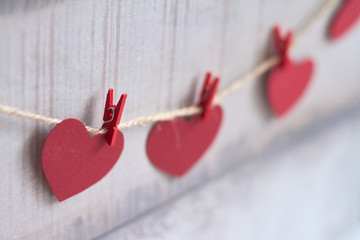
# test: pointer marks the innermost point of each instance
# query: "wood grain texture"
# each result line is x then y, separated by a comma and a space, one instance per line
58, 58
292, 190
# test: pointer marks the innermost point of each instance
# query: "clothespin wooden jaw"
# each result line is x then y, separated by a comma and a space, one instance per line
112, 116
282, 45
207, 94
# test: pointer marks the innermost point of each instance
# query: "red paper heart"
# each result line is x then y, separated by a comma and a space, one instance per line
73, 160
346, 16
286, 84
174, 146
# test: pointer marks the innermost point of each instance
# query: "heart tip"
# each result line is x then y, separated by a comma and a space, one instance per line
279, 114
178, 175
60, 198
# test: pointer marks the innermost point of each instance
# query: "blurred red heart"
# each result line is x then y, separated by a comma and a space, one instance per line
174, 146
72, 160
286, 84
345, 18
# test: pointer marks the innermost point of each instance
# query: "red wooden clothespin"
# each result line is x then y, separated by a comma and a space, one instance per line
112, 116
282, 44
208, 94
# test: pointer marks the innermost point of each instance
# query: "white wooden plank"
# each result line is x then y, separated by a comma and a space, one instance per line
305, 188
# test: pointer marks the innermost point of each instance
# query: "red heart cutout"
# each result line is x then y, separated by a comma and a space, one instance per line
72, 160
174, 146
286, 84
346, 16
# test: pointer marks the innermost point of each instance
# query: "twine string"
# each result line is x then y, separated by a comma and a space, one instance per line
194, 109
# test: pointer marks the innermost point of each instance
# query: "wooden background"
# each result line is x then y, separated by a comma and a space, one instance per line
293, 178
